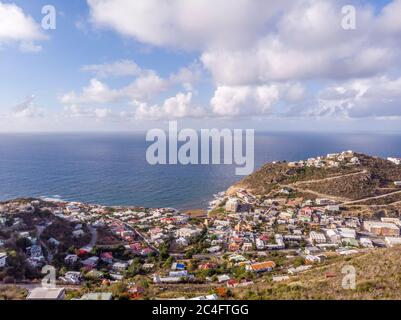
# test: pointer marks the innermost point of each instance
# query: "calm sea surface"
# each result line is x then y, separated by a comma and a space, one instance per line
111, 169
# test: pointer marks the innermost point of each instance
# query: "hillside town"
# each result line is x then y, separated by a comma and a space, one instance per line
241, 240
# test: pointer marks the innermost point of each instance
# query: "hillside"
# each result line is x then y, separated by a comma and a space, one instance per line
377, 277
371, 177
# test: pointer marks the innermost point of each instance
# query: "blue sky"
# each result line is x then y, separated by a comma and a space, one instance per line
255, 64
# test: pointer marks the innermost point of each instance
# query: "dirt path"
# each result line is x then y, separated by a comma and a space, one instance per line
330, 178
373, 198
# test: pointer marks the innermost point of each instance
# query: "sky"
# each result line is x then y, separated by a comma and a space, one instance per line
129, 65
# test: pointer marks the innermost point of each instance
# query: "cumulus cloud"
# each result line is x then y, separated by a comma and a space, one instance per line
147, 84
363, 98
27, 109
309, 43
186, 24
262, 54
95, 92
177, 107
244, 100
17, 27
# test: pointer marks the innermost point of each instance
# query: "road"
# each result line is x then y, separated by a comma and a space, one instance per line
372, 198
141, 236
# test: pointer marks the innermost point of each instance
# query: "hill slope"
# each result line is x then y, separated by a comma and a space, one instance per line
370, 178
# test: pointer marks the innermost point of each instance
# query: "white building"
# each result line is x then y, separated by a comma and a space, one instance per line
396, 161
333, 236
232, 205
392, 241
42, 293
188, 233
366, 242
317, 237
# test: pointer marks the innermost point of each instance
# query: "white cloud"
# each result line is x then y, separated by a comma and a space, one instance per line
261, 54
146, 86
99, 114
96, 92
244, 100
17, 27
120, 68
177, 107
27, 109
186, 24
363, 98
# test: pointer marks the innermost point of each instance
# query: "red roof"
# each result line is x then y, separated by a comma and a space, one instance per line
106, 255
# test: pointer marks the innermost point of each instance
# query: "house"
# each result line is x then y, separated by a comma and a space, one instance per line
107, 257
182, 242
178, 274
158, 279
396, 221
205, 298
3, 260
333, 236
232, 283
72, 277
347, 233
392, 241
35, 251
54, 242
148, 266
214, 249
178, 266
317, 237
333, 208
310, 259
247, 246
188, 233
120, 266
207, 266
91, 262
382, 228
280, 278
299, 269
261, 267
78, 233
43, 293
223, 278
260, 245
232, 205
366, 242
71, 259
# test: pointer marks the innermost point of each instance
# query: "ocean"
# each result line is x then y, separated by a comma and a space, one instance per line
111, 169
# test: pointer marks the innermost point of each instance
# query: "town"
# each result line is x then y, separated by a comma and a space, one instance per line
244, 239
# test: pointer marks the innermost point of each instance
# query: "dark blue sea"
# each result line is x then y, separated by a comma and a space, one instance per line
111, 169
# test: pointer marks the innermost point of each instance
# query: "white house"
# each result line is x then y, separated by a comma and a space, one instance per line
317, 237
232, 205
